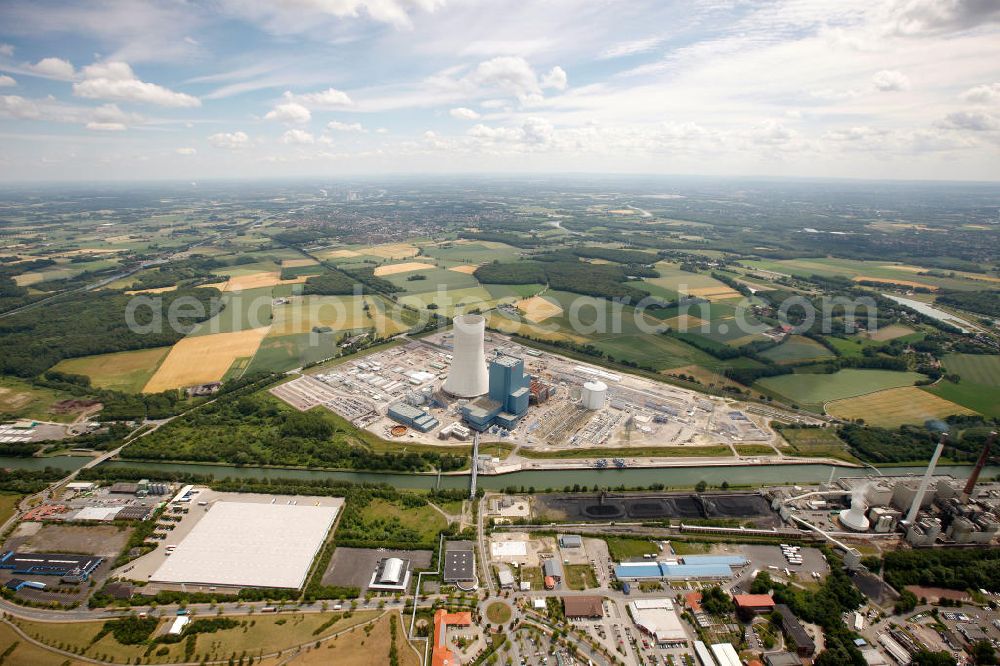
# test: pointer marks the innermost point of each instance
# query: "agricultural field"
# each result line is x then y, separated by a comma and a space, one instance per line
876, 271
673, 282
202, 359
122, 371
255, 280
538, 308
978, 388
406, 267
895, 407
816, 443
812, 391
798, 349
303, 313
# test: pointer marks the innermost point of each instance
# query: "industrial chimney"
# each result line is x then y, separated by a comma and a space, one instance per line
984, 455
922, 489
467, 377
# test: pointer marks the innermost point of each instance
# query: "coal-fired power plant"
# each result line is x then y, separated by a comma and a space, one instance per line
468, 377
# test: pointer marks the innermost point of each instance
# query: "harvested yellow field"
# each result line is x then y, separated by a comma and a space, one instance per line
408, 267
213, 285
468, 269
157, 290
623, 211
597, 262
255, 280
301, 315
890, 332
538, 308
203, 358
341, 254
685, 322
295, 263
719, 293
393, 251
387, 324
895, 407
902, 283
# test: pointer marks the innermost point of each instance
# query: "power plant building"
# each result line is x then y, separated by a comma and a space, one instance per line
509, 392
412, 416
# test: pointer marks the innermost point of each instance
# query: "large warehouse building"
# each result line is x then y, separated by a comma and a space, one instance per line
250, 544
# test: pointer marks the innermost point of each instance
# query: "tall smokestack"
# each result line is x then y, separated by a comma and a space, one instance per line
924, 482
467, 377
984, 455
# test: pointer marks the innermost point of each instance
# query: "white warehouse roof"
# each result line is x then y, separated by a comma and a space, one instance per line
658, 618
392, 571
249, 544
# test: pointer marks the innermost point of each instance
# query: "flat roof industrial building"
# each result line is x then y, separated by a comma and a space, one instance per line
459, 563
250, 544
70, 568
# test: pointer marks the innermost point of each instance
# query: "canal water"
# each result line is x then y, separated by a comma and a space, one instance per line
676, 477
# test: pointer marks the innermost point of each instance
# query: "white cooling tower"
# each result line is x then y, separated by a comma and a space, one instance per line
854, 518
594, 395
467, 377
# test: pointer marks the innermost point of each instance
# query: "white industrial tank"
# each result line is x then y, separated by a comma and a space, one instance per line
467, 376
594, 395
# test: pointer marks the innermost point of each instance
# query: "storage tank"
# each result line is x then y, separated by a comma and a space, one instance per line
467, 376
594, 395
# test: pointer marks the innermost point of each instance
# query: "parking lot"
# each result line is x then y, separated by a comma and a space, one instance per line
353, 567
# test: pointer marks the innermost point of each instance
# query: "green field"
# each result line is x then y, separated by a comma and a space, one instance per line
975, 368
241, 311
816, 443
797, 349
424, 519
625, 548
122, 371
580, 576
814, 390
849, 268
977, 397
979, 382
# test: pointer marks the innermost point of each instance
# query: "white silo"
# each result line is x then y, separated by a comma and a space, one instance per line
467, 376
593, 395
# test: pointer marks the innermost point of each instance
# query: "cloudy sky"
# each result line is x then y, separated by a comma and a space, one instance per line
121, 89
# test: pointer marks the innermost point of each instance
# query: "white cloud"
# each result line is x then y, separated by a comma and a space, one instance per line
382, 130
117, 81
338, 126
106, 127
463, 113
555, 78
331, 98
915, 17
634, 47
511, 74
230, 140
290, 112
15, 106
890, 80
6, 50
6, 81
305, 15
987, 93
186, 151
974, 121
53, 68
297, 137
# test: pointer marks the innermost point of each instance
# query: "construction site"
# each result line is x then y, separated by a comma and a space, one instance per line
451, 384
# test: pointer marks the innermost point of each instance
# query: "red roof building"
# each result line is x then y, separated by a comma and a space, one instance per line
442, 655
748, 605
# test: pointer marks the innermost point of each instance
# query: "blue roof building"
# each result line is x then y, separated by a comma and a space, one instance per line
507, 400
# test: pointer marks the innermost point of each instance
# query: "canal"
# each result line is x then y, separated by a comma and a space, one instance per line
675, 477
